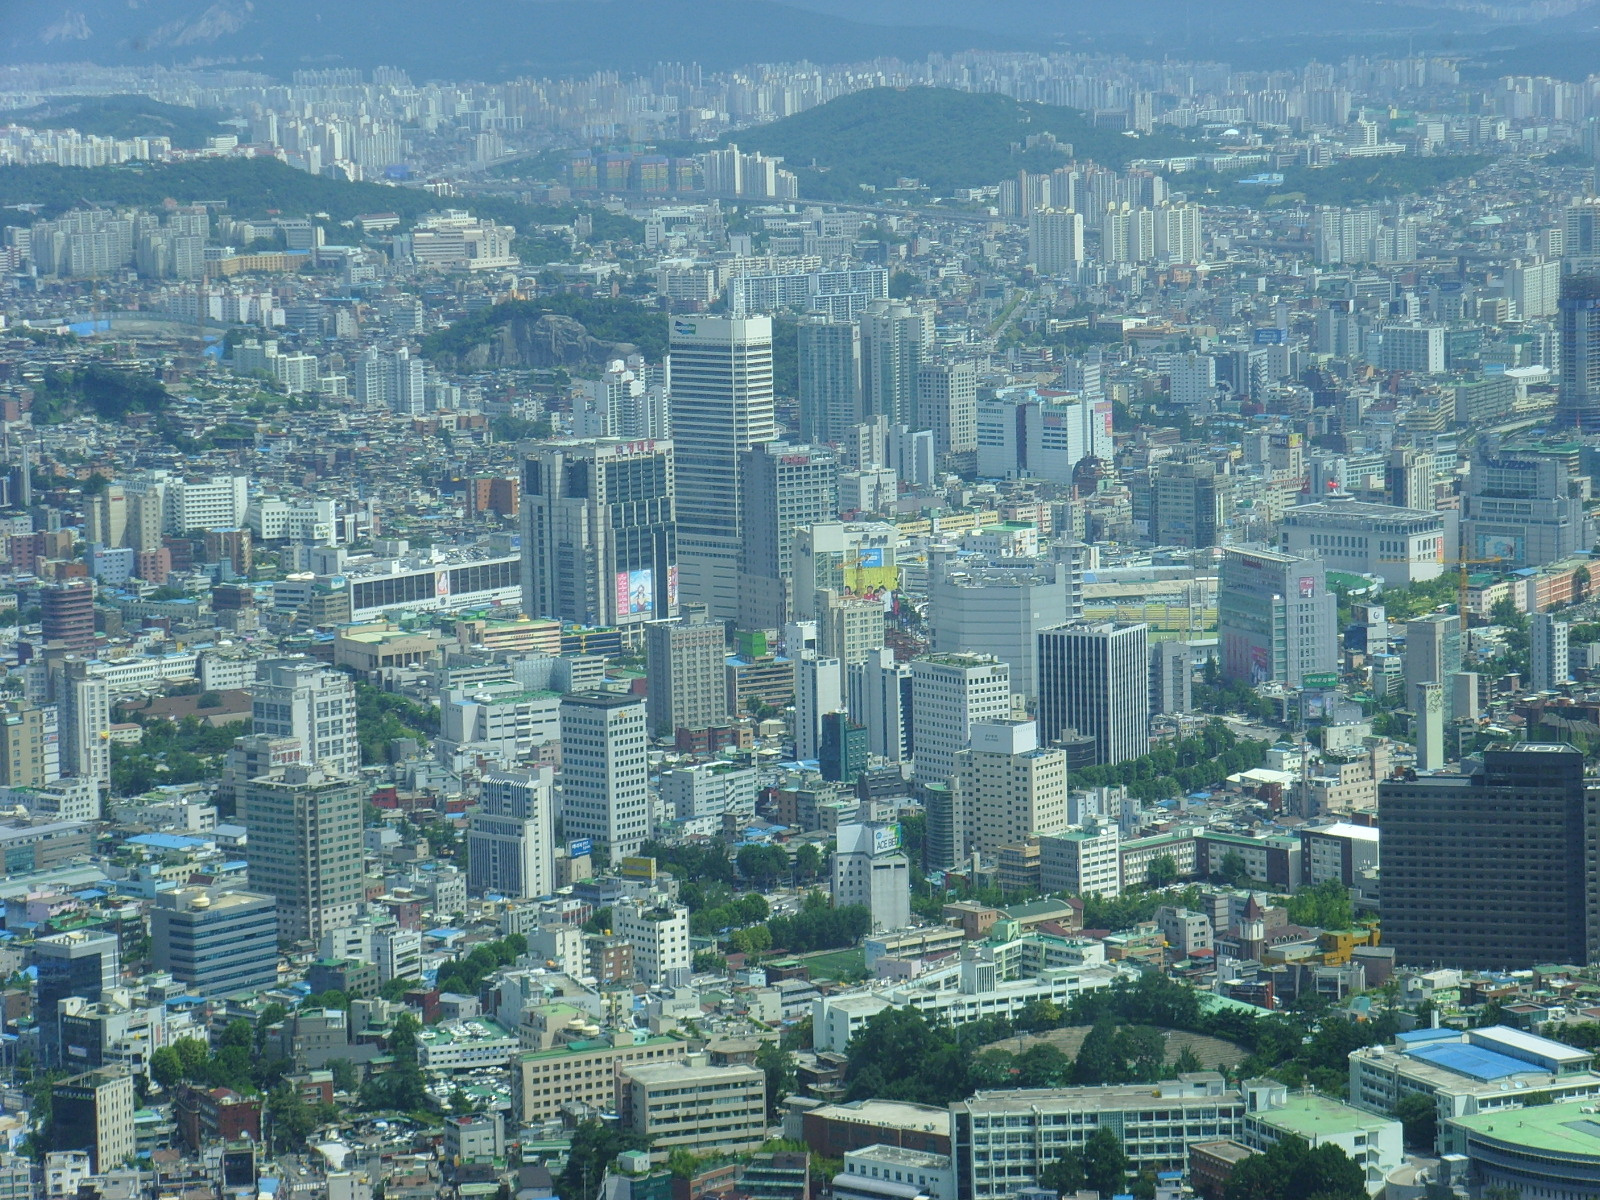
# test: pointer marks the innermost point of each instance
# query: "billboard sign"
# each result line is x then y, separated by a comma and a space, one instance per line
1320, 679
636, 592
580, 847
886, 839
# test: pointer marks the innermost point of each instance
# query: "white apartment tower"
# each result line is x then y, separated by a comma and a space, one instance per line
604, 770
1055, 240
1548, 666
660, 937
301, 698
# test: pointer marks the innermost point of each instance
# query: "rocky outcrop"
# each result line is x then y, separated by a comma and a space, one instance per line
544, 341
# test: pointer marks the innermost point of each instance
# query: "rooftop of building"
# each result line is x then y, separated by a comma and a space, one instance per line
890, 1114
674, 1072
1347, 507
1197, 1086
901, 1156
1313, 1117
1571, 1130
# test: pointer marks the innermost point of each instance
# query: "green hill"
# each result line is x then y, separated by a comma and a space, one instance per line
946, 139
121, 117
1350, 181
258, 187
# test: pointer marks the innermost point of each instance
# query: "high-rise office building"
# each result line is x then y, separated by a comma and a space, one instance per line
842, 749
1010, 786
1094, 679
947, 403
1496, 870
1578, 315
997, 606
30, 749
1547, 652
721, 405
786, 487
848, 627
1523, 511
1188, 504
818, 690
949, 692
605, 771
1275, 617
1055, 240
1433, 655
66, 615
309, 701
829, 377
511, 839
870, 869
305, 847
659, 934
1171, 678
599, 546
78, 963
686, 664
895, 340
83, 706
217, 940
878, 693
93, 1113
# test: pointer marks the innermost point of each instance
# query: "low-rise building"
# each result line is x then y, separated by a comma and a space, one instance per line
1374, 1143
881, 1172
695, 1106
583, 1072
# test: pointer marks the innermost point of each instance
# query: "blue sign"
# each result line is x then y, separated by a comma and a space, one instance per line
1271, 337
580, 847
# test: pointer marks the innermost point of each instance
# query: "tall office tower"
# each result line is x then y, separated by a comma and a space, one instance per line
1428, 702
1578, 314
83, 707
1171, 678
848, 627
30, 748
785, 487
721, 405
605, 770
1523, 511
1580, 243
1408, 479
686, 667
1055, 240
305, 847
599, 546
78, 964
1178, 236
511, 839
1495, 870
949, 692
818, 690
66, 615
1188, 504
1547, 653
659, 935
1275, 617
1010, 786
830, 377
879, 699
870, 869
93, 1113
1094, 678
842, 752
895, 340
1193, 380
301, 698
105, 517
1433, 655
217, 940
947, 403
1534, 288
997, 606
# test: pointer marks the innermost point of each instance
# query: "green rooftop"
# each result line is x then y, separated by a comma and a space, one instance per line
1314, 1117
1554, 1128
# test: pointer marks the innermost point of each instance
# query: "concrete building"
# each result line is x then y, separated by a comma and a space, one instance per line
696, 1107
721, 406
1412, 347
1374, 1143
870, 869
1055, 240
83, 707
949, 692
896, 337
849, 628
1401, 545
830, 377
604, 770
1009, 788
584, 1071
878, 695
881, 1172
1523, 512
1094, 679
986, 605
685, 663
217, 940
30, 748
1492, 870
75, 964
1433, 655
1547, 653
1188, 504
786, 487
709, 791
1171, 678
93, 1113
947, 404
1275, 617
599, 534
511, 838
660, 937
1578, 316
305, 847
1082, 862
306, 700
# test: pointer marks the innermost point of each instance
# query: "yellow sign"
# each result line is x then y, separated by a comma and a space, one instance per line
639, 868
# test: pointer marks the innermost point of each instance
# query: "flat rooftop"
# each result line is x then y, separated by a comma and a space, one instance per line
1554, 1128
1313, 1116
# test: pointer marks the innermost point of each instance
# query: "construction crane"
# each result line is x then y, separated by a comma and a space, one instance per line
1461, 565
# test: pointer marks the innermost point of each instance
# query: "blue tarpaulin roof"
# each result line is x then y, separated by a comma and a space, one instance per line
1472, 1061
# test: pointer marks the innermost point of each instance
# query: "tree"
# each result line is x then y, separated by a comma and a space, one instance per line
1105, 1163
594, 1147
1162, 871
762, 865
1505, 612
779, 1067
166, 1067
1234, 872
1420, 1116
460, 1103
1098, 1060
344, 1074
808, 861
1065, 1175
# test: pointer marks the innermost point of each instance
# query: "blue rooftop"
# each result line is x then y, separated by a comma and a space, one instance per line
165, 841
1472, 1061
1415, 1037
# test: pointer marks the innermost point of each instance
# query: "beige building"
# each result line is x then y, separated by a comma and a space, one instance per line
1010, 787
94, 1112
583, 1072
695, 1106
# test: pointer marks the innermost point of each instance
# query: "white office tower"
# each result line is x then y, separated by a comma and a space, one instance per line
1010, 787
896, 339
83, 721
628, 401
818, 690
1547, 653
997, 606
1533, 287
848, 627
1193, 380
870, 869
1094, 678
949, 692
604, 771
1055, 240
879, 697
1082, 862
511, 839
1427, 702
301, 698
1171, 678
659, 934
947, 403
829, 364
721, 405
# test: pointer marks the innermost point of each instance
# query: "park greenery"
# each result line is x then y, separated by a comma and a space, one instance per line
1292, 1169
1350, 181
383, 717
1186, 765
945, 139
170, 752
465, 976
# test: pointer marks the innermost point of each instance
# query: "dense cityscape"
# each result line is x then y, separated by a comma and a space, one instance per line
1005, 625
